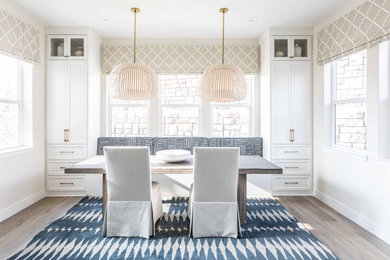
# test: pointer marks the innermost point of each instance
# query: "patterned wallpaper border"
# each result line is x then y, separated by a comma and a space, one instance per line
365, 26
18, 39
181, 59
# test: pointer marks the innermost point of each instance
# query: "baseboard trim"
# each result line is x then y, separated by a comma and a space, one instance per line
353, 215
22, 204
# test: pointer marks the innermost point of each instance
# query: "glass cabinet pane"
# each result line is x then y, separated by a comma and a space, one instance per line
280, 48
77, 47
300, 48
57, 47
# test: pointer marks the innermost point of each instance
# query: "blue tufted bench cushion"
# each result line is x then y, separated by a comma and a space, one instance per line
248, 145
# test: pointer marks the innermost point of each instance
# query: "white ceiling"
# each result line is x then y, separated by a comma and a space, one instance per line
181, 19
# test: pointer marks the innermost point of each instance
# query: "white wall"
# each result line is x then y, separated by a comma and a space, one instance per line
22, 175
356, 186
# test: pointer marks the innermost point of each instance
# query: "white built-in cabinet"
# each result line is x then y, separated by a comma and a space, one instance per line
291, 102
67, 46
68, 112
291, 48
66, 97
290, 112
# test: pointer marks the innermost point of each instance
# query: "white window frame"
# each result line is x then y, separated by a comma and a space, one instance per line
383, 101
205, 111
109, 113
334, 102
18, 101
249, 106
161, 106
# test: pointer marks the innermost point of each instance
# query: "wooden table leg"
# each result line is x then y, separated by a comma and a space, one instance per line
104, 204
241, 196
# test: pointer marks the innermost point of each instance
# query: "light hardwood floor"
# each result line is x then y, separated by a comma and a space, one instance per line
21, 228
346, 239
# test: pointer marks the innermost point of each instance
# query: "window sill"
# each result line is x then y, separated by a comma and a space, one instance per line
16, 151
361, 156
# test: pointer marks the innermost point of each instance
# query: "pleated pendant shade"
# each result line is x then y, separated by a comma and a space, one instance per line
133, 81
223, 83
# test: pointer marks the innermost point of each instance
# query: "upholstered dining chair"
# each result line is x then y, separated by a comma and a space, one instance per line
213, 206
134, 202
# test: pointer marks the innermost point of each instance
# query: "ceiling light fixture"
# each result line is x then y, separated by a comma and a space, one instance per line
223, 83
133, 81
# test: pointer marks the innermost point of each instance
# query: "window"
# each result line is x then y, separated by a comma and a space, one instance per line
384, 100
179, 111
349, 101
129, 118
13, 123
180, 105
234, 119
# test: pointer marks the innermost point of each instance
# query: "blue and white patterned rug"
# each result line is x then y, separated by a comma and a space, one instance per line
270, 232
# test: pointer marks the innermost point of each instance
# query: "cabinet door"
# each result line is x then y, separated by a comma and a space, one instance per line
77, 46
77, 119
57, 47
301, 47
280, 99
281, 47
56, 100
301, 101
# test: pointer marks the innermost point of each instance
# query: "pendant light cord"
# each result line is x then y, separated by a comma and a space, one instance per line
135, 11
223, 38
135, 30
223, 11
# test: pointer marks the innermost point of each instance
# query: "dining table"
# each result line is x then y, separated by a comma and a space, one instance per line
247, 165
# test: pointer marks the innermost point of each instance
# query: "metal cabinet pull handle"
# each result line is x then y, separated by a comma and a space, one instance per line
291, 182
290, 151
66, 135
64, 183
291, 57
62, 167
66, 151
293, 135
291, 167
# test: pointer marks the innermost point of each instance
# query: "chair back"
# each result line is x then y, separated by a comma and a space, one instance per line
216, 174
128, 173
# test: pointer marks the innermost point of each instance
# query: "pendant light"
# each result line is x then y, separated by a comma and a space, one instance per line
223, 83
133, 81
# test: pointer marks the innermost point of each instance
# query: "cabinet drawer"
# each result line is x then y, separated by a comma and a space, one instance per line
57, 167
65, 183
295, 167
291, 152
293, 183
67, 152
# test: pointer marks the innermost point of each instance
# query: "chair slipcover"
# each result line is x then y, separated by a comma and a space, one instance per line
213, 206
133, 201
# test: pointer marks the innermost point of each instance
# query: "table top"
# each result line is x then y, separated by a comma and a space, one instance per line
247, 165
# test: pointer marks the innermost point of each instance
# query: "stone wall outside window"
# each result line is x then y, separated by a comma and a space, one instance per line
180, 114
350, 101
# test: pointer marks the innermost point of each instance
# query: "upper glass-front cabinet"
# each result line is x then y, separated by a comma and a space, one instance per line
66, 46
291, 47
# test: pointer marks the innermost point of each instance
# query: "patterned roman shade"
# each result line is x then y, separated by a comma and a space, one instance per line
18, 39
181, 59
365, 26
